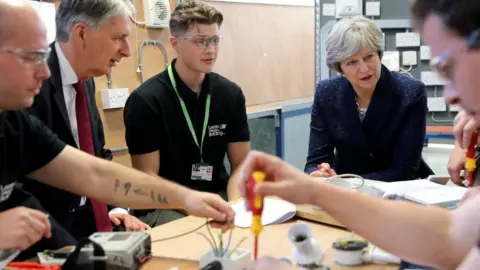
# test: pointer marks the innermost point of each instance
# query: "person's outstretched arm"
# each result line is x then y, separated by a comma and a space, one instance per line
429, 236
112, 183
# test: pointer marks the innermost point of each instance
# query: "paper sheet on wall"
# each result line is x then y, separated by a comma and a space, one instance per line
274, 212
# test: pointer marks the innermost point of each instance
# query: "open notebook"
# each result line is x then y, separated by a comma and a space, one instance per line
274, 212
423, 191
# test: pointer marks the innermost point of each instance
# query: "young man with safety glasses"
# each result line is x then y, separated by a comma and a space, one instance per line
181, 122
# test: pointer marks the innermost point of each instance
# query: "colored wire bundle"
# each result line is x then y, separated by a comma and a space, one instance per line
218, 251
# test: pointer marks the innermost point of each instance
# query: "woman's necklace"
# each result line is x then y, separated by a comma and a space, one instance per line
362, 112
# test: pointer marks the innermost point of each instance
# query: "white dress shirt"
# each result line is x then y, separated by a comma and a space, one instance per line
68, 79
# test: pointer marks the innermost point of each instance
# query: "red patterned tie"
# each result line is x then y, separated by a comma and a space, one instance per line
86, 144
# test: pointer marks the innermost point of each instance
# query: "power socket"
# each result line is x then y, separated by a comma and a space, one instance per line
372, 9
391, 59
348, 8
425, 53
431, 78
436, 104
328, 10
454, 108
409, 58
114, 98
410, 39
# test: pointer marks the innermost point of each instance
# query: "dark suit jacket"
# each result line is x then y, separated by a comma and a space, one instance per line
49, 106
387, 145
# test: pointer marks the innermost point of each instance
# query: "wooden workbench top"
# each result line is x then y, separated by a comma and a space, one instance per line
186, 250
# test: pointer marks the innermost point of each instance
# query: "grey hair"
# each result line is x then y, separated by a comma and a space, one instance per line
93, 13
348, 36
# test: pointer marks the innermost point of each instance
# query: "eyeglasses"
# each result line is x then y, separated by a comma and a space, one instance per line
443, 64
203, 42
33, 57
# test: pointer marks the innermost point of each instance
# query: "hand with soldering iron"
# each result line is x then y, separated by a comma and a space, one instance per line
465, 130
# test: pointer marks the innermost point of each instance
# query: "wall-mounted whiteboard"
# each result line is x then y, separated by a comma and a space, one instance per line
307, 3
47, 12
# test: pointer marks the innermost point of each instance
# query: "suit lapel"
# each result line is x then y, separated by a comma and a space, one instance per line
57, 86
381, 105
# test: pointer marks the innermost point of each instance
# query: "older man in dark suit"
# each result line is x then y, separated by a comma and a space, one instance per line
66, 104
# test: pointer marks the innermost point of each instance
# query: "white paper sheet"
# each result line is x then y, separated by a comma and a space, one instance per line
274, 212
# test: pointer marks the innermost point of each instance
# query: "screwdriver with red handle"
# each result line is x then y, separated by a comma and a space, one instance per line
255, 204
470, 160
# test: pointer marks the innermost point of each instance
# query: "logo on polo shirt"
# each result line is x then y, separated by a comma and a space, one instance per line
217, 130
6, 191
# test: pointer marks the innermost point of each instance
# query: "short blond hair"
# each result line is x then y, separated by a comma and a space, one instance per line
191, 12
348, 36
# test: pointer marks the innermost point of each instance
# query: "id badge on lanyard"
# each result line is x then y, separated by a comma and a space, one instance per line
200, 171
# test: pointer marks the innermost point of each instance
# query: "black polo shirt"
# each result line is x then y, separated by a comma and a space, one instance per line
25, 146
154, 120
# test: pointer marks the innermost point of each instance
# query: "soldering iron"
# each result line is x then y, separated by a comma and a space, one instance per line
470, 160
255, 204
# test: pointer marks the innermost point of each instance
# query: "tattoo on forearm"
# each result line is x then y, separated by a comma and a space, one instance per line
162, 199
127, 187
140, 191
117, 185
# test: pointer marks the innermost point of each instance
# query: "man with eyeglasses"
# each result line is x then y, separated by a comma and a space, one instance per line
27, 147
430, 236
66, 105
181, 122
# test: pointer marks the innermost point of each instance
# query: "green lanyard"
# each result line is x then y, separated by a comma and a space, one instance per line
187, 117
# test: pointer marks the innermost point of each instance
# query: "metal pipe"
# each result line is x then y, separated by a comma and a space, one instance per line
116, 150
109, 81
140, 55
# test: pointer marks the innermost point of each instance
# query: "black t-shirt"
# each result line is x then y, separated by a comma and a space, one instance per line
25, 146
154, 120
